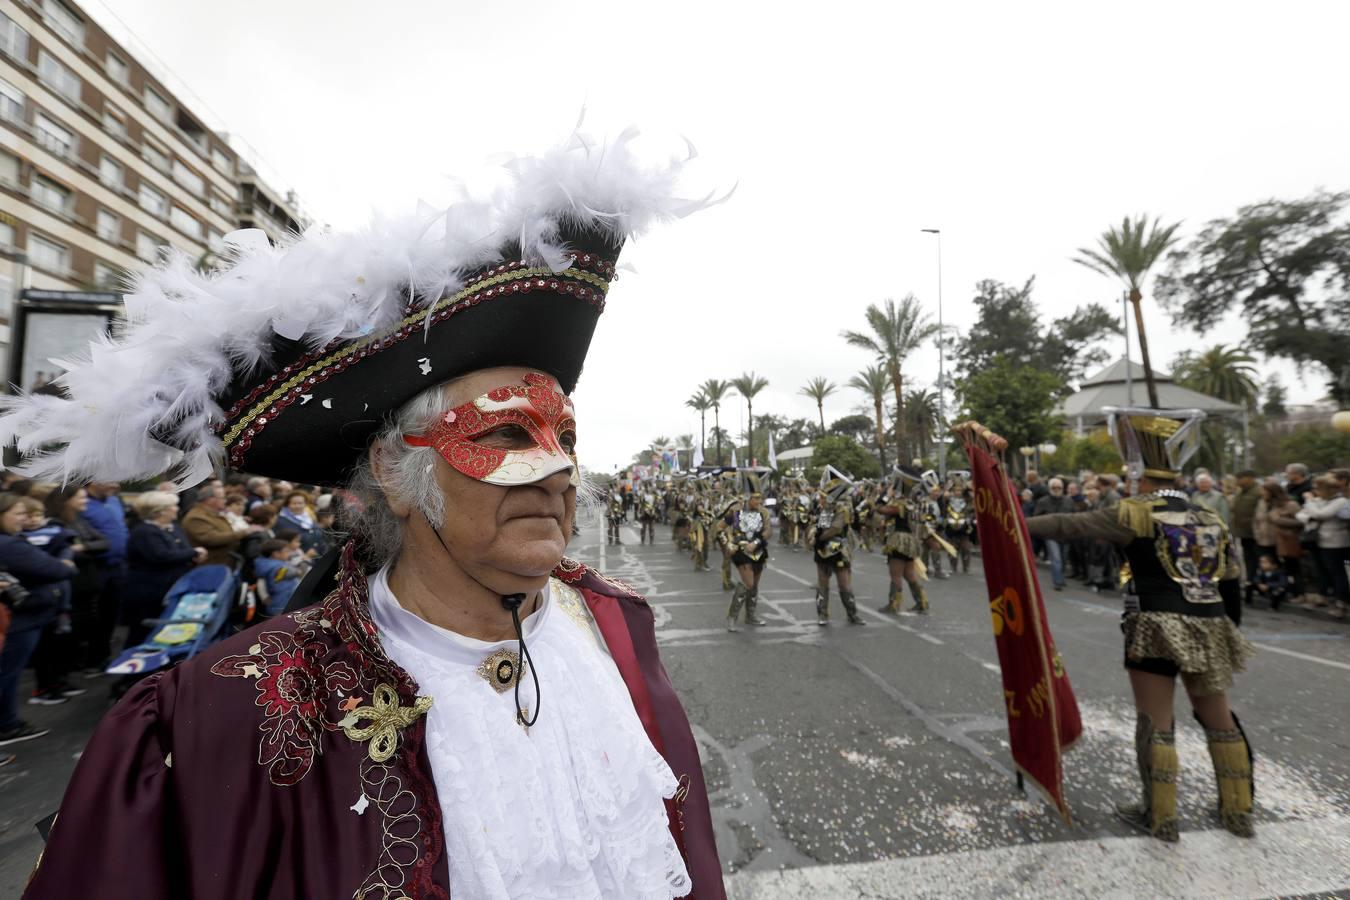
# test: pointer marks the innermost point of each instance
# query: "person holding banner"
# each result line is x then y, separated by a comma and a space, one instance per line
1183, 571
903, 549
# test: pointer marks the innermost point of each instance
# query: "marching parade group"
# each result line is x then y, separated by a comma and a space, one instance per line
922, 526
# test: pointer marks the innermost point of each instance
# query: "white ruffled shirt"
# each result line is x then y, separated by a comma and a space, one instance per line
573, 807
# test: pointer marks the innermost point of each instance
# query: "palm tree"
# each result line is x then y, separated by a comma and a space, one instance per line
1228, 373
1128, 253
748, 385
818, 389
715, 391
897, 330
921, 419
873, 381
700, 402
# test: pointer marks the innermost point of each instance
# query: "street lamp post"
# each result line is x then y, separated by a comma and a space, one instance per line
942, 367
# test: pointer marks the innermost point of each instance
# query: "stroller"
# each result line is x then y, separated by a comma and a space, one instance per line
196, 612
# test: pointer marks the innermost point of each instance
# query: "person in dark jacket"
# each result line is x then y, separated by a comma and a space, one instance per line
158, 553
1055, 503
72, 537
105, 513
39, 574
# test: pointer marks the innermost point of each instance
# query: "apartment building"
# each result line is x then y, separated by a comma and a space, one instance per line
102, 166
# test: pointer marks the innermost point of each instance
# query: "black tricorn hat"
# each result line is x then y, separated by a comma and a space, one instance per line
310, 415
284, 361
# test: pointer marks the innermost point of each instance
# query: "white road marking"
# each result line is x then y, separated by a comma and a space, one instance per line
1306, 657
929, 638
1302, 857
992, 668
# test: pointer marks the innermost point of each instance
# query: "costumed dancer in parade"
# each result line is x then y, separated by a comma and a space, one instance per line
699, 530
903, 525
960, 522
829, 539
615, 517
1182, 571
864, 514
647, 515
723, 535
750, 538
455, 717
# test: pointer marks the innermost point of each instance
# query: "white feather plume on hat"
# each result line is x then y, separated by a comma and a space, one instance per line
145, 401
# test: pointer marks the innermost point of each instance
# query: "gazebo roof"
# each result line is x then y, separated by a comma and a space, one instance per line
1108, 388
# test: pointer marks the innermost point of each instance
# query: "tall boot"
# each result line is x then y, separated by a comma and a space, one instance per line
892, 604
823, 606
1232, 756
1156, 755
920, 597
850, 607
726, 573
734, 611
751, 602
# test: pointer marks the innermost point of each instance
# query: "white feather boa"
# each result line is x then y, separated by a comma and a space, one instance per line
187, 335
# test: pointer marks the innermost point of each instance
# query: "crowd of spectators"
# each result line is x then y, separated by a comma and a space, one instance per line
1292, 531
77, 562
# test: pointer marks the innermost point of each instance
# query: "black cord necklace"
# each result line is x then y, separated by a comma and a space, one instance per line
512, 603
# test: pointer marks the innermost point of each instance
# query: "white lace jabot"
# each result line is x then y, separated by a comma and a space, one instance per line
573, 807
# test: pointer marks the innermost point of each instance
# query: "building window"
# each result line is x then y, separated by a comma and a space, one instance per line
221, 160
11, 103
111, 173
50, 195
157, 105
155, 156
147, 246
215, 240
188, 178
113, 122
57, 77
9, 169
64, 22
117, 69
109, 277
47, 254
54, 137
13, 39
153, 202
221, 206
6, 236
185, 222
109, 226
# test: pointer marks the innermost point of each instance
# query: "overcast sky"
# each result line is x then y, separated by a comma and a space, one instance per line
1019, 129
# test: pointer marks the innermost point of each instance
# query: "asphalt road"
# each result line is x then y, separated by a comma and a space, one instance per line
872, 762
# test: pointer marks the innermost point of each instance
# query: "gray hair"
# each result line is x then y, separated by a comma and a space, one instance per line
407, 475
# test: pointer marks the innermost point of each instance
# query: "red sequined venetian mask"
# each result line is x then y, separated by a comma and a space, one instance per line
517, 434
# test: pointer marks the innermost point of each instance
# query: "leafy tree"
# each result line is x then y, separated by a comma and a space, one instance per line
748, 385
787, 435
1094, 451
1014, 399
1273, 406
873, 381
1316, 446
897, 330
854, 426
845, 454
715, 391
1008, 324
818, 389
700, 402
1285, 264
1128, 253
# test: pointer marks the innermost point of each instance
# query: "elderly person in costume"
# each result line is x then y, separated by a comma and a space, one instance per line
462, 711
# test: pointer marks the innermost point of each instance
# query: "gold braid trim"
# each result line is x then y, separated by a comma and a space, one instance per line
574, 273
1137, 515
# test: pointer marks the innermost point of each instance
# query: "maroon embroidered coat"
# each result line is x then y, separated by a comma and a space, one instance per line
234, 775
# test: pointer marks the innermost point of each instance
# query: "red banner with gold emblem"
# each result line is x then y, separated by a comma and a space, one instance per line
1043, 718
